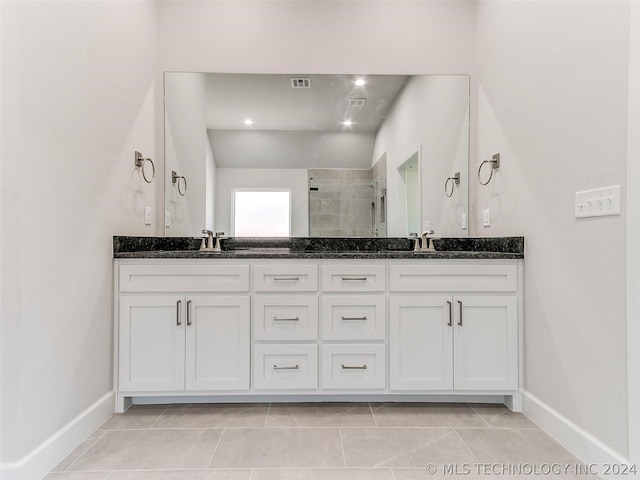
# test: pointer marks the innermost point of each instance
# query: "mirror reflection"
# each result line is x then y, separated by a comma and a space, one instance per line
354, 155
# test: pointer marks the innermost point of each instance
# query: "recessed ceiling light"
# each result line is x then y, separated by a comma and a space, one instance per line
248, 121
347, 123
359, 82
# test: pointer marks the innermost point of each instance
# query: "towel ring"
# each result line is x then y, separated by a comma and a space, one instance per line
455, 180
495, 164
175, 179
141, 162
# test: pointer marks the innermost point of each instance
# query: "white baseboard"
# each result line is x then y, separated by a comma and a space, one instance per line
579, 442
37, 463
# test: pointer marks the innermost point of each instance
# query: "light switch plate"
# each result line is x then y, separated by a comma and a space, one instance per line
486, 217
599, 202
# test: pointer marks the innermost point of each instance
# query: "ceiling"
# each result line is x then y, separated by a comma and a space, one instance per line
296, 127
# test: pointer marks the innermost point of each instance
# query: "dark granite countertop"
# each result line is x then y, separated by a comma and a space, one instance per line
318, 248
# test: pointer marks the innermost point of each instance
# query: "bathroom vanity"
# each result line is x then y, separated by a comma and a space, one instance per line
318, 324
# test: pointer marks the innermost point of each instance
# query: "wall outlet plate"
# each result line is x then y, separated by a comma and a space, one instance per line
147, 215
486, 217
463, 221
599, 202
167, 218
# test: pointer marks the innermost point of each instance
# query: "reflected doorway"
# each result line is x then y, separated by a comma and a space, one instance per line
409, 192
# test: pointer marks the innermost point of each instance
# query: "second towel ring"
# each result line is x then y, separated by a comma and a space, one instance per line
455, 180
141, 162
175, 179
495, 164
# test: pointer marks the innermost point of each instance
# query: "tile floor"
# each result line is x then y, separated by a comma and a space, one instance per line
336, 441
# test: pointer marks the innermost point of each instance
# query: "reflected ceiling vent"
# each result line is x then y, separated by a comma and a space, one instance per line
300, 82
357, 102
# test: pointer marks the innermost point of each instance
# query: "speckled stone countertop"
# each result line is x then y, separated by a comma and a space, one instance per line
316, 248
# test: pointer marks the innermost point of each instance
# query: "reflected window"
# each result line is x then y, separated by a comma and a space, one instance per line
262, 212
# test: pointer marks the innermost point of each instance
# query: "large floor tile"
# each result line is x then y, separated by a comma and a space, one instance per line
77, 476
150, 449
466, 472
320, 415
402, 447
136, 417
213, 415
208, 474
426, 415
77, 452
323, 474
514, 446
279, 447
499, 416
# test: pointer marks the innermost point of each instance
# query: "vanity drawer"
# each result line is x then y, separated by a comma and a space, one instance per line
184, 278
354, 317
353, 278
285, 278
279, 317
285, 367
453, 278
353, 367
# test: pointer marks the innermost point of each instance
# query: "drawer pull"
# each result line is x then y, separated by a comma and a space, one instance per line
450, 314
355, 318
276, 319
188, 312
460, 305
354, 367
178, 322
354, 279
286, 279
294, 367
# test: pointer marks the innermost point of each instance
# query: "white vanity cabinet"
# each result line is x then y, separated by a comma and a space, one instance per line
299, 329
462, 338
182, 328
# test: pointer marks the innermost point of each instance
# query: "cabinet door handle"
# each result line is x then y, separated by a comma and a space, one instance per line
460, 305
276, 319
354, 367
286, 279
178, 303
450, 314
294, 367
364, 317
188, 312
354, 279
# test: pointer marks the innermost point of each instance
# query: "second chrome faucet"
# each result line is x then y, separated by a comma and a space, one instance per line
212, 243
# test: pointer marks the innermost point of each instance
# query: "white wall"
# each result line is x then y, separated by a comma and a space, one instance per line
633, 234
295, 179
337, 36
431, 116
77, 100
551, 96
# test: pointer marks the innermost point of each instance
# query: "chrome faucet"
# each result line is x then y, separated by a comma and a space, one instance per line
212, 244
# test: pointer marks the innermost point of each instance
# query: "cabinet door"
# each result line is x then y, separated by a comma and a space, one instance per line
486, 342
151, 343
420, 343
217, 353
